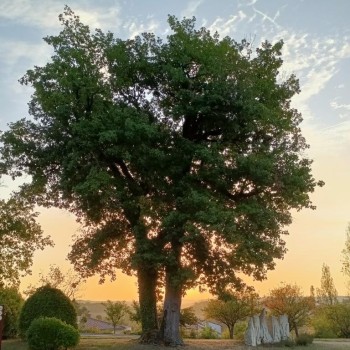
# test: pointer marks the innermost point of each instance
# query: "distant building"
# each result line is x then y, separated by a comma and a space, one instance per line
198, 327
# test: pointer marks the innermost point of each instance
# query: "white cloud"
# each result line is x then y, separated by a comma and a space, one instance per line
135, 27
191, 8
314, 60
44, 14
228, 26
11, 52
334, 104
267, 17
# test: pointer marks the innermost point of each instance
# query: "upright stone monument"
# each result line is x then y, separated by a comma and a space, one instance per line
276, 330
284, 326
265, 334
257, 327
266, 331
250, 334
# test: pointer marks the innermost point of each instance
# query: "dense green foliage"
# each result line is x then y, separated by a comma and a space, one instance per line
321, 325
289, 299
232, 307
20, 236
181, 157
12, 301
208, 333
334, 320
50, 333
188, 316
47, 302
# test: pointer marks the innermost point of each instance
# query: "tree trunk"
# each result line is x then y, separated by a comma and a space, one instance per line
296, 330
230, 329
147, 283
170, 328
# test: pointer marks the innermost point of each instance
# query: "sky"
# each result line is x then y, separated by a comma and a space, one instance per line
316, 34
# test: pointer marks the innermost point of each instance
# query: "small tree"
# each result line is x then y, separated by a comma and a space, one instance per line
346, 257
135, 312
188, 317
47, 302
115, 311
289, 299
327, 294
13, 301
232, 307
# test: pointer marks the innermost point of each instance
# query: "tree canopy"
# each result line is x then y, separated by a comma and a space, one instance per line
346, 257
233, 307
115, 311
20, 236
289, 299
327, 294
12, 300
182, 157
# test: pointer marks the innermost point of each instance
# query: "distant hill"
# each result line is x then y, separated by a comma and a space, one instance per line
198, 308
96, 308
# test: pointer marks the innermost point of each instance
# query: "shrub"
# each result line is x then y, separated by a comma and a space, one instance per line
304, 339
13, 301
47, 302
288, 343
239, 330
50, 333
208, 333
322, 325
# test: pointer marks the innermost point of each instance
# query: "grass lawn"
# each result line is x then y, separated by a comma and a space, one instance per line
191, 344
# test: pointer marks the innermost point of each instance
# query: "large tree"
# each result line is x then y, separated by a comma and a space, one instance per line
20, 236
181, 157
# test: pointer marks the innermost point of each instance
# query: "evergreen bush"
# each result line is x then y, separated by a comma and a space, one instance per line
47, 302
50, 333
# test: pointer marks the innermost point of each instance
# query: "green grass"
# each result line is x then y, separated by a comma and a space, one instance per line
191, 344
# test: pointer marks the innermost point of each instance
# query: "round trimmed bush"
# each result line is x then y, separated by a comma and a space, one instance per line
47, 302
50, 333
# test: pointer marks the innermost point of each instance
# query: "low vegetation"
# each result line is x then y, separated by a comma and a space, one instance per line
50, 333
47, 302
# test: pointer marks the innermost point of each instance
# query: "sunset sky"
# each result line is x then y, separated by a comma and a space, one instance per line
317, 49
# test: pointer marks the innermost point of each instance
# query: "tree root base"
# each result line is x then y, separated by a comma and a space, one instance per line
153, 338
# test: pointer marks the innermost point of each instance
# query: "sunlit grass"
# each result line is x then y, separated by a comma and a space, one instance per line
90, 343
